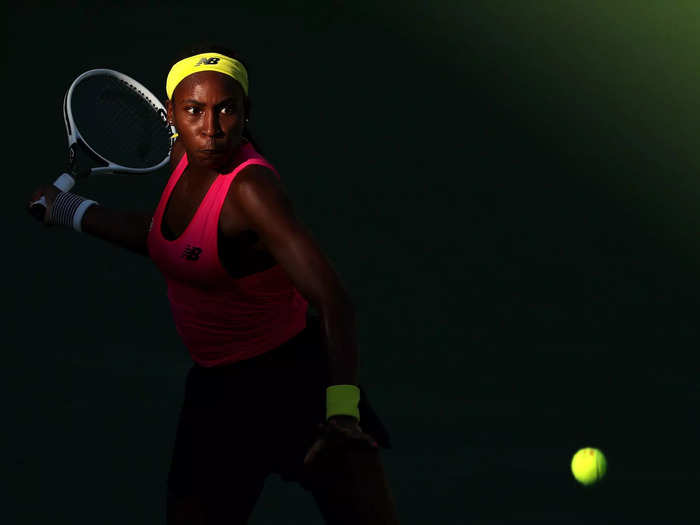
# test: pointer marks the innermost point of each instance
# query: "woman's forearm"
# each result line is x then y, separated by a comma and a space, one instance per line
126, 229
340, 337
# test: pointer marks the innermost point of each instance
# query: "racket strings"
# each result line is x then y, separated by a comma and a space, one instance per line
119, 123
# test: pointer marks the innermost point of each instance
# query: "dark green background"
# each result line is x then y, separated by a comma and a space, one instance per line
509, 190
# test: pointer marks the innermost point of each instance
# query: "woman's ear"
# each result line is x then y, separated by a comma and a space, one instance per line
246, 109
169, 108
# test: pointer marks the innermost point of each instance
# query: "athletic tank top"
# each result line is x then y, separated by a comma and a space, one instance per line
220, 319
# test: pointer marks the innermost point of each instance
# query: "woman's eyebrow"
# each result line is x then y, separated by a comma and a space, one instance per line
199, 103
227, 100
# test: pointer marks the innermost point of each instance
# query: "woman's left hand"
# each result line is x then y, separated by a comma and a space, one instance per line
339, 432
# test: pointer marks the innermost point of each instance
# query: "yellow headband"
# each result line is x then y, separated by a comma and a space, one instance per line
206, 62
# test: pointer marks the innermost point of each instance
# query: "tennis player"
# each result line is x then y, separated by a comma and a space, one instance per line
273, 388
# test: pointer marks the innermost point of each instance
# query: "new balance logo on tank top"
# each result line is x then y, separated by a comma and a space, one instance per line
191, 253
220, 319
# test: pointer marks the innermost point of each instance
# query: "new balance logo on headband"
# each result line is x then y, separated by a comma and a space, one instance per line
191, 253
208, 61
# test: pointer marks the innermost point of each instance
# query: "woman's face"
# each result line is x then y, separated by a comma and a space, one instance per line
208, 111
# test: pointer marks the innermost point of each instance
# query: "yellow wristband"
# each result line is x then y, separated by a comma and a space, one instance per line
342, 400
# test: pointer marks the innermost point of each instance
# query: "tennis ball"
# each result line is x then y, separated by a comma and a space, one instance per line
588, 465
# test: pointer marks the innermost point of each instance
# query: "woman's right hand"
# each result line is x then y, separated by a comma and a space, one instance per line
49, 192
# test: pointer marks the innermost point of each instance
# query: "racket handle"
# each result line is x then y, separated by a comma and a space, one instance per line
38, 208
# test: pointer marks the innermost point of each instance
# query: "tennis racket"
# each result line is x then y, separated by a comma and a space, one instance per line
114, 126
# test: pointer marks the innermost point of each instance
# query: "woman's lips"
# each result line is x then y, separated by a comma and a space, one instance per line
212, 152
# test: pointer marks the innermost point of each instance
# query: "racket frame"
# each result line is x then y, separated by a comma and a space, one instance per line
75, 138
66, 180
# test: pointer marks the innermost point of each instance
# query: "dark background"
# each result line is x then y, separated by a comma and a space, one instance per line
509, 191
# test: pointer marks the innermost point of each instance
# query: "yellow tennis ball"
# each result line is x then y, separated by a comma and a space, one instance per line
588, 465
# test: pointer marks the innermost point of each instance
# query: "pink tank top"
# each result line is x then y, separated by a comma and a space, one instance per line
220, 319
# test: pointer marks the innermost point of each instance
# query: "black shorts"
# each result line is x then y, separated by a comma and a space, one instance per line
241, 422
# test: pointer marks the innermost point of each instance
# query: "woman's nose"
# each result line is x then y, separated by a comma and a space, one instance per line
211, 125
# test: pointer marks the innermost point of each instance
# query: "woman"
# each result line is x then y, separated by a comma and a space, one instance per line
272, 388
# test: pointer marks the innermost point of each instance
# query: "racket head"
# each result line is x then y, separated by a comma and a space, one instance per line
117, 124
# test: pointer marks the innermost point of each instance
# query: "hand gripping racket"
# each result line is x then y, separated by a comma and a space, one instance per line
116, 125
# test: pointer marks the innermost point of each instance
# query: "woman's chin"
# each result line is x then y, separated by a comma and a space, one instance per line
215, 160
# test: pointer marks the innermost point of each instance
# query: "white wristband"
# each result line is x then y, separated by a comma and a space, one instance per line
78, 217
68, 210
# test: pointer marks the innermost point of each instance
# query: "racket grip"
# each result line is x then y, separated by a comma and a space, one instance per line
38, 208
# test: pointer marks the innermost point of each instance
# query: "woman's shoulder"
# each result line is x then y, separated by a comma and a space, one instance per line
255, 188
255, 175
